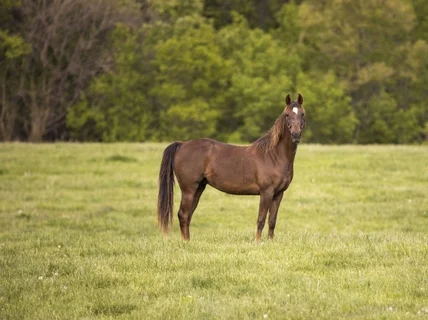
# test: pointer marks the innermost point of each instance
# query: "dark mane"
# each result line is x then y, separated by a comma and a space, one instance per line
272, 137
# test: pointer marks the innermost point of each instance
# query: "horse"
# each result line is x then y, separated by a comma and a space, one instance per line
265, 168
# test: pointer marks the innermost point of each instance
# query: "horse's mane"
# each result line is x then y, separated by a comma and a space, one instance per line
272, 137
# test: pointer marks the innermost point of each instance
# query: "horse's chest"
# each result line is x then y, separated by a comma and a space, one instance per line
285, 181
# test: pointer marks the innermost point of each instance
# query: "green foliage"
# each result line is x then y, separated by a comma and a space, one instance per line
421, 27
193, 119
186, 69
383, 123
259, 14
378, 119
116, 107
172, 10
329, 114
262, 74
415, 70
347, 35
289, 26
364, 43
190, 78
139, 101
13, 46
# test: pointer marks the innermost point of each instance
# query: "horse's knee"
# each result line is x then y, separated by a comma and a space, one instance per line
183, 217
261, 223
185, 209
272, 223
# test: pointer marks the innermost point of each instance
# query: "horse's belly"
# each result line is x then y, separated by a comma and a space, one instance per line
233, 185
238, 190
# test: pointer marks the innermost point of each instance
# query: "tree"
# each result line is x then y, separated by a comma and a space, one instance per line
142, 70
67, 41
365, 44
420, 30
330, 116
116, 105
259, 13
168, 83
12, 48
262, 75
192, 77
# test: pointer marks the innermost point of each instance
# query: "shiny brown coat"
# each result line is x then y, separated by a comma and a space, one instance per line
263, 168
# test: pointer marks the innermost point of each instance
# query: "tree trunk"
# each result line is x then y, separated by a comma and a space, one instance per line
39, 117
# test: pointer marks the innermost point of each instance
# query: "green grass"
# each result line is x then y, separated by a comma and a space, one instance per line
79, 240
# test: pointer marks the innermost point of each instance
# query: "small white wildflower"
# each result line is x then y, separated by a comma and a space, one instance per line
56, 273
390, 308
265, 316
40, 278
424, 310
410, 200
59, 246
20, 211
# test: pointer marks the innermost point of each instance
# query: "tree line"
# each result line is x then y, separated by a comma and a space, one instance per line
142, 70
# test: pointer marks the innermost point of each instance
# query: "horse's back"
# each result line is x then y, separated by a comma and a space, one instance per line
200, 152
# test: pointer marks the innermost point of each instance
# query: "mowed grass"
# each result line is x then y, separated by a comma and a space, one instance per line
79, 240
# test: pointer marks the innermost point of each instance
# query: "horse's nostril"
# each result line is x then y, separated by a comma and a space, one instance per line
296, 134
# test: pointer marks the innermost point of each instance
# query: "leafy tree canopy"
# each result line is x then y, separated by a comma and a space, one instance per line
140, 70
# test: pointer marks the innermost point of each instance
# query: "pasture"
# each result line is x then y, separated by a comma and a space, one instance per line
79, 239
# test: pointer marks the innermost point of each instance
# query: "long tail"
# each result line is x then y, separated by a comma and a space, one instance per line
166, 187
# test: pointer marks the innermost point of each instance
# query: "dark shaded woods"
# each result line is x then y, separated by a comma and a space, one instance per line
141, 70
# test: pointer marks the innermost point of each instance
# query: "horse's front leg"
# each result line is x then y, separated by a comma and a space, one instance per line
273, 212
265, 203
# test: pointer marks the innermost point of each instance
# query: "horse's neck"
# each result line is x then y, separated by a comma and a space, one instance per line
286, 149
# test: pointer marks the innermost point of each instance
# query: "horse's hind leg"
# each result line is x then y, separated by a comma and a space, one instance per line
184, 213
198, 194
189, 202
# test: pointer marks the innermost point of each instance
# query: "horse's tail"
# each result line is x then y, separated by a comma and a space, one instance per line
166, 187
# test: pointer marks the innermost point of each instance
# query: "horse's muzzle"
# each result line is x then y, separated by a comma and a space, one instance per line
295, 137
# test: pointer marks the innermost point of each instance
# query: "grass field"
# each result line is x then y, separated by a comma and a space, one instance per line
79, 240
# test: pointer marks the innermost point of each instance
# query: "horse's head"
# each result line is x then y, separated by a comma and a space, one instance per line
295, 117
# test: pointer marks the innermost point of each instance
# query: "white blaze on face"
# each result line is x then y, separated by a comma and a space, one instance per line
295, 110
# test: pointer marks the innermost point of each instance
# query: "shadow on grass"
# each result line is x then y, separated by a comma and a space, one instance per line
120, 158
112, 309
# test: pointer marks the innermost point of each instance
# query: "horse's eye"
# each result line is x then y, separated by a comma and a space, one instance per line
303, 114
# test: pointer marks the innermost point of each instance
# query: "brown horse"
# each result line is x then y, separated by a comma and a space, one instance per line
263, 168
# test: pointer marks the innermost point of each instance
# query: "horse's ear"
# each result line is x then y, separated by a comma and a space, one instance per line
300, 99
287, 99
